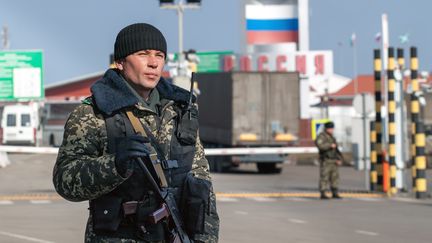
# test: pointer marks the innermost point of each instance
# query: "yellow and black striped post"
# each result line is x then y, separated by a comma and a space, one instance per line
373, 158
419, 166
415, 111
391, 119
378, 126
420, 161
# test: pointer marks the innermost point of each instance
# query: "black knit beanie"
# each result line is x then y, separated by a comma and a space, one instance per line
329, 124
137, 37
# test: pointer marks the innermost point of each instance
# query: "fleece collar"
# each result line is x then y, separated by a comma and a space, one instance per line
111, 93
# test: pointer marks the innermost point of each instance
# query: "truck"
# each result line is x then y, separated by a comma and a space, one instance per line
248, 109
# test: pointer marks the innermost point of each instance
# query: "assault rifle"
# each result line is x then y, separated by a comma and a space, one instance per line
191, 94
340, 154
168, 210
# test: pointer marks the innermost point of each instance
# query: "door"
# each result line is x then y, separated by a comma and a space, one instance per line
26, 129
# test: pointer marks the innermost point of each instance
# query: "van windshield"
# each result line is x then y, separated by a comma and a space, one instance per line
25, 120
11, 120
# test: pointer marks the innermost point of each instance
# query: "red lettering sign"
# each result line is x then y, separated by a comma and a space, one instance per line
228, 63
319, 64
262, 60
280, 60
245, 64
301, 64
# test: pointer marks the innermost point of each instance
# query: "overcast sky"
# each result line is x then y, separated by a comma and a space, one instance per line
77, 36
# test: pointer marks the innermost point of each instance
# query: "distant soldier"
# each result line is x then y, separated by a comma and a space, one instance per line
330, 158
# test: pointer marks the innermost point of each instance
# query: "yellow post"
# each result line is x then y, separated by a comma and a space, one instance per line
419, 162
378, 126
391, 120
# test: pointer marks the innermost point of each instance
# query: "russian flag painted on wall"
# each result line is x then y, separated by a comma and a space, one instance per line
269, 24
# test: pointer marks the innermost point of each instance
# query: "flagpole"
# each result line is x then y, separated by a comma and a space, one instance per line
354, 46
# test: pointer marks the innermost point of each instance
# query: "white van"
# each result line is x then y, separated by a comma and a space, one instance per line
20, 125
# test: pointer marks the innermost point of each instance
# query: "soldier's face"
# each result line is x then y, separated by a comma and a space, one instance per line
143, 69
330, 130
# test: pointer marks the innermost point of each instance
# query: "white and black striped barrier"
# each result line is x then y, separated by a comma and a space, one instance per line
4, 161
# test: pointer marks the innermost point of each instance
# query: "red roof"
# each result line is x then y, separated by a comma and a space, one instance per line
365, 84
76, 88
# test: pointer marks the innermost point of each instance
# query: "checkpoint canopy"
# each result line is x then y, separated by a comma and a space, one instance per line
21, 75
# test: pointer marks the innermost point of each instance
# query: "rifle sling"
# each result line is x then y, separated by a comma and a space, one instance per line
143, 130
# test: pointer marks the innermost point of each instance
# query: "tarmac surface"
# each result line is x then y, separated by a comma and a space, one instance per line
253, 207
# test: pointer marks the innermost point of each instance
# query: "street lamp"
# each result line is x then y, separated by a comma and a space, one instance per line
179, 8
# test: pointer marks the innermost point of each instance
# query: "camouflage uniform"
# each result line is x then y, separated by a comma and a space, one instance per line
329, 173
85, 170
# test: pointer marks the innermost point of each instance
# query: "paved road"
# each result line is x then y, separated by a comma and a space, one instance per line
252, 207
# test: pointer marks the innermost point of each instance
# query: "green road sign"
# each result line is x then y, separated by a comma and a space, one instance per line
210, 62
21, 75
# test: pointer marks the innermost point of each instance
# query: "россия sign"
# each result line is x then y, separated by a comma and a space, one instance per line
21, 75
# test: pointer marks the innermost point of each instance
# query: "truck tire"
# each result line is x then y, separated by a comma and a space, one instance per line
268, 168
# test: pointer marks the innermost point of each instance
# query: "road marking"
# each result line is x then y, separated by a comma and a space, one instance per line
405, 199
23, 237
40, 201
294, 194
298, 199
263, 199
6, 202
364, 232
31, 196
297, 221
241, 212
226, 199
219, 195
366, 199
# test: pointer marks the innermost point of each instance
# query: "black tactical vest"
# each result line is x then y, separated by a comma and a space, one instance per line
136, 187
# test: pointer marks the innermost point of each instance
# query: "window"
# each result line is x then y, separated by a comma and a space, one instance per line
166, 2
194, 1
25, 120
11, 120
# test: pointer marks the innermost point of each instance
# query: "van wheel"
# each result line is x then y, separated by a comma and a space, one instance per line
268, 168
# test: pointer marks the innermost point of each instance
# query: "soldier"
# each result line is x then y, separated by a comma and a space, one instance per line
100, 157
330, 158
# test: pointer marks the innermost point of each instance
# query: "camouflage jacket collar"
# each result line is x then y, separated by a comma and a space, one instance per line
111, 93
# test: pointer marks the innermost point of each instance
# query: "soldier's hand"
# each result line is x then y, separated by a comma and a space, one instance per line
128, 148
333, 145
339, 162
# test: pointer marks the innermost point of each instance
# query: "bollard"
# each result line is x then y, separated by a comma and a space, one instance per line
4, 159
